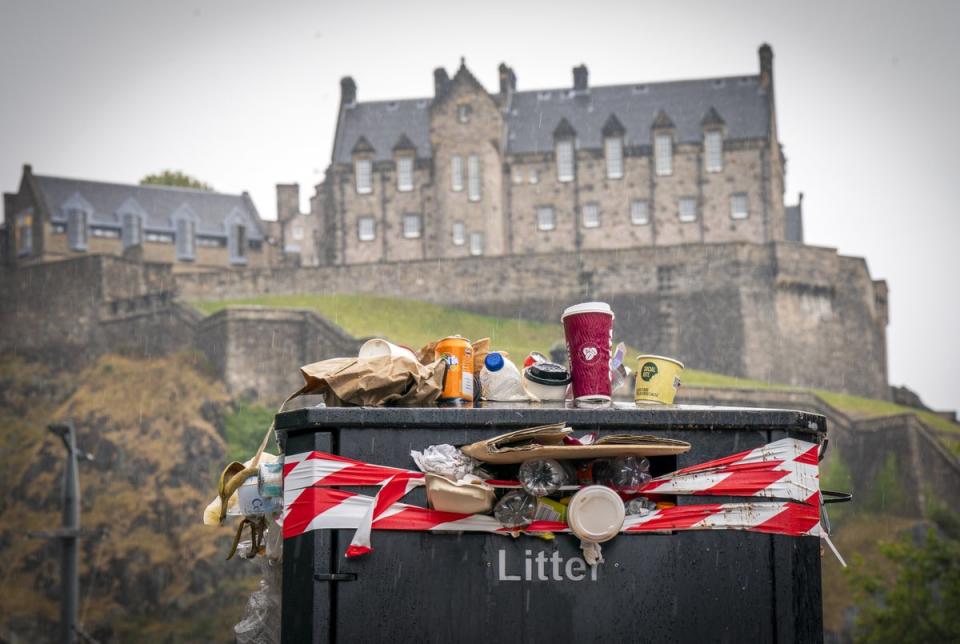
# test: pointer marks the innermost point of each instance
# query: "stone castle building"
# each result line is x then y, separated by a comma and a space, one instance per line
467, 172
51, 218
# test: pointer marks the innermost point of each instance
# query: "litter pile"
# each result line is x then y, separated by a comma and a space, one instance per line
539, 481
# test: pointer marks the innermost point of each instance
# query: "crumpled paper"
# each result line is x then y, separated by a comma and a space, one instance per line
374, 382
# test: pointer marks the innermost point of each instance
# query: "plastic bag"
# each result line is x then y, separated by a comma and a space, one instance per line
445, 460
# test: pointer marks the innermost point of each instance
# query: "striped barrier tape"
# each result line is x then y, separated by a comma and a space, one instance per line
785, 469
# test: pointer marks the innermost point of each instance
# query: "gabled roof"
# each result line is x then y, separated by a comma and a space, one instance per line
404, 143
534, 115
662, 121
564, 130
158, 204
362, 145
613, 127
712, 117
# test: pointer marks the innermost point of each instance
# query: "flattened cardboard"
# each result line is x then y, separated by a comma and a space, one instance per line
519, 446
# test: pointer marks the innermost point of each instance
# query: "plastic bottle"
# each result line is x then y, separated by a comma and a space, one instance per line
500, 379
516, 509
625, 474
544, 476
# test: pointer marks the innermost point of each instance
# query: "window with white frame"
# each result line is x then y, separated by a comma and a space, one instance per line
476, 243
534, 176
132, 230
298, 233
591, 215
405, 174
364, 172
713, 150
639, 212
158, 238
456, 173
459, 233
104, 232
739, 208
186, 239
663, 151
411, 226
463, 113
473, 177
24, 233
545, 218
613, 150
77, 229
565, 167
518, 175
687, 209
366, 229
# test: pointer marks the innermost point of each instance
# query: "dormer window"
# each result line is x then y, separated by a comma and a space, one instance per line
565, 160
77, 229
613, 151
613, 132
713, 150
132, 230
663, 151
363, 168
564, 137
463, 113
405, 174
186, 239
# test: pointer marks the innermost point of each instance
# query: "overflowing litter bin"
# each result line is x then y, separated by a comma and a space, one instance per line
420, 586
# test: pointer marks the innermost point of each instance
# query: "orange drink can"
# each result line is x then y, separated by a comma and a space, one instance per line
458, 379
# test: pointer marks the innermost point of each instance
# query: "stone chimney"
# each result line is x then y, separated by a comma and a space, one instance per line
580, 78
766, 66
508, 80
348, 91
440, 82
288, 201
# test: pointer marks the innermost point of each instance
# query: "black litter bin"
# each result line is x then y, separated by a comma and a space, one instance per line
716, 586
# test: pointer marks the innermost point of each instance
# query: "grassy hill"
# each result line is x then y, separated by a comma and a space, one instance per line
416, 323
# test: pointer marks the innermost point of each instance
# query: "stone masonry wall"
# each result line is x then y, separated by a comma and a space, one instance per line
781, 312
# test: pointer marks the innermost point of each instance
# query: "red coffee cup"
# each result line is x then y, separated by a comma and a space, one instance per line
588, 328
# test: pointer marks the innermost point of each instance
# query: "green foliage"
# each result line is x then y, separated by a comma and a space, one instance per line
244, 428
175, 178
919, 602
886, 494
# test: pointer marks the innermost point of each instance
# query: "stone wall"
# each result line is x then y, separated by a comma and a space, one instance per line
258, 350
781, 312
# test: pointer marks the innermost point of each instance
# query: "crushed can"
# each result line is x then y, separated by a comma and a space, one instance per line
458, 379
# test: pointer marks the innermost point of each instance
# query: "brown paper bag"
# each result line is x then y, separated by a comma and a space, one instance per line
374, 382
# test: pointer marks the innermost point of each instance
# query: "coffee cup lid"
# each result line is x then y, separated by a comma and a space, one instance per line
588, 307
596, 513
547, 373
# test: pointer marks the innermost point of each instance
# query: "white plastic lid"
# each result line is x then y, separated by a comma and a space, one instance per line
588, 307
596, 514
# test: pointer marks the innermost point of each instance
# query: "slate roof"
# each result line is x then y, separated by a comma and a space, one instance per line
159, 203
534, 115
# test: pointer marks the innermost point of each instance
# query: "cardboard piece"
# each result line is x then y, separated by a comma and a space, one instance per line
547, 442
373, 382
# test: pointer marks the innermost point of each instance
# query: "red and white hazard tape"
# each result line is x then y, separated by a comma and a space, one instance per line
785, 469
321, 508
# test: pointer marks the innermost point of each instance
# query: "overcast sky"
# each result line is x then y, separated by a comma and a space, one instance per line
244, 95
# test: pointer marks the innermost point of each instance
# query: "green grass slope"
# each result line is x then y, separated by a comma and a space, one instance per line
416, 323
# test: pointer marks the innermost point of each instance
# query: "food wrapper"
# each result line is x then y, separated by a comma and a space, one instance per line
373, 382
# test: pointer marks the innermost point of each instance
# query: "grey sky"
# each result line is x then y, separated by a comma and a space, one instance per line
244, 95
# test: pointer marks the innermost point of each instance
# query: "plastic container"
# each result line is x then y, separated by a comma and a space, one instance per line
500, 380
546, 380
544, 476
